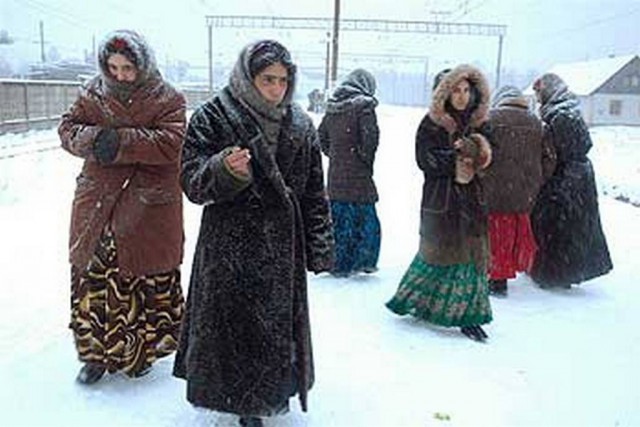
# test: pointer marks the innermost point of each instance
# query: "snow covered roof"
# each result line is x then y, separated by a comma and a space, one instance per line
585, 77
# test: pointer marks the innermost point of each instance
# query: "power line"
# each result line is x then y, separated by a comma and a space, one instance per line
595, 22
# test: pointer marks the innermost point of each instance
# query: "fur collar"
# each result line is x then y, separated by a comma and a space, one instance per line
438, 113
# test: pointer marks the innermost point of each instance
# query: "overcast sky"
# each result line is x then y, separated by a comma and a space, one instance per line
539, 33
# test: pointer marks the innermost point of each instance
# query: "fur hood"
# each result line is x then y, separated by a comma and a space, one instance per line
480, 114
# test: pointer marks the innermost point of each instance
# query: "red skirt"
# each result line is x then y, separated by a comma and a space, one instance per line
513, 247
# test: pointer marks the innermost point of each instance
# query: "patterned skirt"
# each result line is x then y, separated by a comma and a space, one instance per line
513, 247
357, 236
124, 324
452, 295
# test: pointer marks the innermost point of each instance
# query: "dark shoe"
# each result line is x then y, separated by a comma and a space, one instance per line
474, 332
341, 274
251, 422
369, 270
90, 373
498, 288
142, 372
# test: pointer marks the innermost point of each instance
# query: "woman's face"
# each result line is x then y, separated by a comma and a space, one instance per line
272, 83
121, 68
460, 95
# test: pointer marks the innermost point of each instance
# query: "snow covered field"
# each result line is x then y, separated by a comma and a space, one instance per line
554, 358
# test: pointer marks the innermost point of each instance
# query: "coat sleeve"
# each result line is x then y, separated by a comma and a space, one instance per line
204, 176
369, 136
435, 160
77, 132
159, 144
323, 135
316, 213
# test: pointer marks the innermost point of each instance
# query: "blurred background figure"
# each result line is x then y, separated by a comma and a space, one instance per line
572, 246
316, 101
126, 242
349, 136
522, 159
446, 284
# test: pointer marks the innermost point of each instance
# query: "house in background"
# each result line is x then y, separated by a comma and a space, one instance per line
608, 89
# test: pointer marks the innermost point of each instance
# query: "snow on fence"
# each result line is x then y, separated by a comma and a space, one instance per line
38, 104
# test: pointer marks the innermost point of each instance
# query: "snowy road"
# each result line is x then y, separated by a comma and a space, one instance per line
554, 358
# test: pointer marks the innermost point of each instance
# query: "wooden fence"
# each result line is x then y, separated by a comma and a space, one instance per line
38, 104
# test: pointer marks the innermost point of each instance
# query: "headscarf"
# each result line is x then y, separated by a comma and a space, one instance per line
508, 94
553, 93
357, 88
136, 49
252, 60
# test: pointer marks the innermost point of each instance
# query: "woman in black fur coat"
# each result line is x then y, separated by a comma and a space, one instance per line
252, 158
565, 218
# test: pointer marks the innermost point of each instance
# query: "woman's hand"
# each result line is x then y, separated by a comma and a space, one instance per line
238, 161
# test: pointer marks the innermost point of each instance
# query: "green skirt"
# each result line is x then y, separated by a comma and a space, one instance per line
451, 295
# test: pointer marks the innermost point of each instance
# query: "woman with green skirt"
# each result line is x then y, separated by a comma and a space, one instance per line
446, 284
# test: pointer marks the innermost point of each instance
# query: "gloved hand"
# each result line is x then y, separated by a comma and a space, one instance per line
106, 145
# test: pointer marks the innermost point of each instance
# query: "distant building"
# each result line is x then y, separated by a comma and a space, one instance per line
608, 89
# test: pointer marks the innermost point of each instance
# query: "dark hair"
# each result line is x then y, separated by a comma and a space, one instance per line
268, 52
438, 78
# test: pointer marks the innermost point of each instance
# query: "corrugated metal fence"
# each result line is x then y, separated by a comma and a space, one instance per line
38, 104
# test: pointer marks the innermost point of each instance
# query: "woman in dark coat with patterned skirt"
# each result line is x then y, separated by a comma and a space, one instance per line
446, 283
252, 158
126, 239
572, 247
349, 137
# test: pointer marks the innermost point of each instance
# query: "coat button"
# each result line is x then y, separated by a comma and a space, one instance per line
98, 204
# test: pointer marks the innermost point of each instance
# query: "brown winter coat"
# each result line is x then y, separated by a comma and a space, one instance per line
453, 221
522, 158
140, 191
349, 136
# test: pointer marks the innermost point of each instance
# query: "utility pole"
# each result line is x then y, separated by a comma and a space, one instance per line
334, 55
42, 57
327, 64
499, 62
210, 30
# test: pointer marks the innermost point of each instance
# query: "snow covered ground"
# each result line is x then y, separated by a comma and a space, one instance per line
554, 358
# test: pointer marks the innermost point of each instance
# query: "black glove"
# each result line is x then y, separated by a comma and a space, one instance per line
106, 145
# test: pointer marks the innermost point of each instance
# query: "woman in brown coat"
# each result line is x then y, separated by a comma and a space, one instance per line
522, 160
126, 238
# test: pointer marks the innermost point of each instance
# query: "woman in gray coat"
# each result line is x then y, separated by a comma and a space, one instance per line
252, 158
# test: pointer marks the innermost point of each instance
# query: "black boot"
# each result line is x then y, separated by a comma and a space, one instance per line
251, 422
498, 288
474, 332
90, 373
141, 372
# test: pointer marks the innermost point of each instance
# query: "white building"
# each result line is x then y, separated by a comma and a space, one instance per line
608, 89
